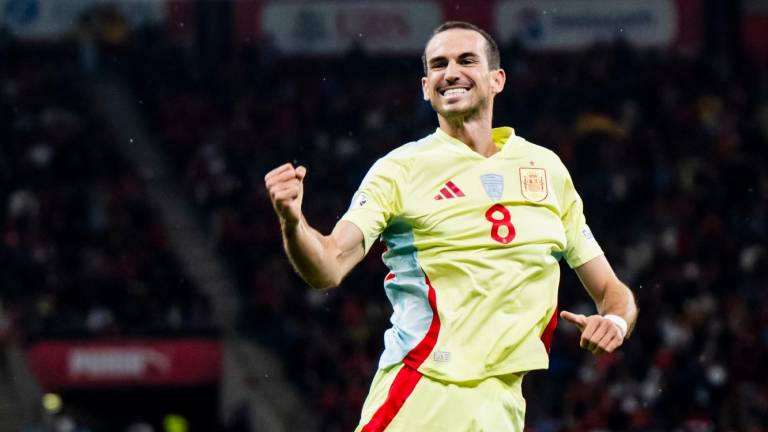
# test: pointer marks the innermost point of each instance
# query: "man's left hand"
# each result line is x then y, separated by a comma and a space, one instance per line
599, 335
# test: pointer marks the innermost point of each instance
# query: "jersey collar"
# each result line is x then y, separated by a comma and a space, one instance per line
502, 138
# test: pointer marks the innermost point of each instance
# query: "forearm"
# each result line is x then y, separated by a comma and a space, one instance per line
313, 256
618, 300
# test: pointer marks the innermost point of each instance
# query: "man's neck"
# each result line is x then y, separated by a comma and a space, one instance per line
475, 133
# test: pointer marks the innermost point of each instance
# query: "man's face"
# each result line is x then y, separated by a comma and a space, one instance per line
458, 81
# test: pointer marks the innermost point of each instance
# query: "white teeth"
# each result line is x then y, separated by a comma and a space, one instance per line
455, 91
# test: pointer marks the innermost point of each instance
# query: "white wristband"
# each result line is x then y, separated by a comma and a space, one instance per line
620, 322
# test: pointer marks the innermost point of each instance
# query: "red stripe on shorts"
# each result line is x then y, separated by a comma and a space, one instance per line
546, 336
408, 376
401, 388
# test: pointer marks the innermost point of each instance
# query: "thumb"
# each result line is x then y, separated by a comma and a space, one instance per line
301, 172
578, 319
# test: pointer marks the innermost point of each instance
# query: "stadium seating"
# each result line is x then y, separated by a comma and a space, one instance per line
84, 254
667, 151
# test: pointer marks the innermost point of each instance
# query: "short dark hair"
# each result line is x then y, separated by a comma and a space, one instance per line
491, 48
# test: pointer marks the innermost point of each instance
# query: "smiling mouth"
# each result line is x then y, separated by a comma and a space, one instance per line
454, 91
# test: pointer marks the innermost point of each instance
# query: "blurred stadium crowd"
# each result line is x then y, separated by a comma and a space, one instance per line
83, 252
667, 151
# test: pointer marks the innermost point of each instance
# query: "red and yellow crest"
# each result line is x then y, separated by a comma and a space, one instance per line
533, 184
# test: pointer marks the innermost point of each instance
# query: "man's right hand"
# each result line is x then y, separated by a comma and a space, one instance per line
322, 261
285, 185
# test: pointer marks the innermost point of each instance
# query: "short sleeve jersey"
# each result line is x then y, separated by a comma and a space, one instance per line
472, 247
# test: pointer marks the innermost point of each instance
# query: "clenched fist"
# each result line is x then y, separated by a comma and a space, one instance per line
285, 185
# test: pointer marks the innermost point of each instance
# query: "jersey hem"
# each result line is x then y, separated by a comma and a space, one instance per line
514, 369
367, 243
581, 262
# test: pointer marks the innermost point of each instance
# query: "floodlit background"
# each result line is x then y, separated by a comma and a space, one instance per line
142, 283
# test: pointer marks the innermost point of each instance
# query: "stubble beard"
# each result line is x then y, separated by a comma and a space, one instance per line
462, 116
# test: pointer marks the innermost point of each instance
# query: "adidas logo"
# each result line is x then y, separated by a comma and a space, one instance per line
449, 191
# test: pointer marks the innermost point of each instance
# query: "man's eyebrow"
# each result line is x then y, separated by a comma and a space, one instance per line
468, 55
462, 56
436, 59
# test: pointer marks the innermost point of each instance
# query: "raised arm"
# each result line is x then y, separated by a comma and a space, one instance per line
602, 332
322, 261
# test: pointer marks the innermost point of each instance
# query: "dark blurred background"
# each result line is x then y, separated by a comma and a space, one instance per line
143, 286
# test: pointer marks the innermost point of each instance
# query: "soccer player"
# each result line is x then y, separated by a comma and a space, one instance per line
475, 221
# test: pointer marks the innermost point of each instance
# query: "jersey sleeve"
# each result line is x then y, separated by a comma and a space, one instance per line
377, 200
581, 244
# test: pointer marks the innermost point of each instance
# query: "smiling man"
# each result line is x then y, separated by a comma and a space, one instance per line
475, 220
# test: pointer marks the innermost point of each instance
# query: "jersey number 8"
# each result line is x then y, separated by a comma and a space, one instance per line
504, 221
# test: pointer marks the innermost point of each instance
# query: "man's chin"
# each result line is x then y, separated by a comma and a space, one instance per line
457, 109
452, 112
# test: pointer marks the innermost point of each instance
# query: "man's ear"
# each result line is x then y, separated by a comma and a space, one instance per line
498, 79
424, 89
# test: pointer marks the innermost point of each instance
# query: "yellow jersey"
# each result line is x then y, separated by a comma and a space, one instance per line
473, 245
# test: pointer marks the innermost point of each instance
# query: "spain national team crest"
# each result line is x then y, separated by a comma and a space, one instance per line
533, 184
493, 185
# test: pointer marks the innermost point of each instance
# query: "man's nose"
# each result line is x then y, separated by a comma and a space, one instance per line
452, 72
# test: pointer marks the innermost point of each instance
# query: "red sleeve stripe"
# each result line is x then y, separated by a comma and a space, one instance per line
455, 189
408, 376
